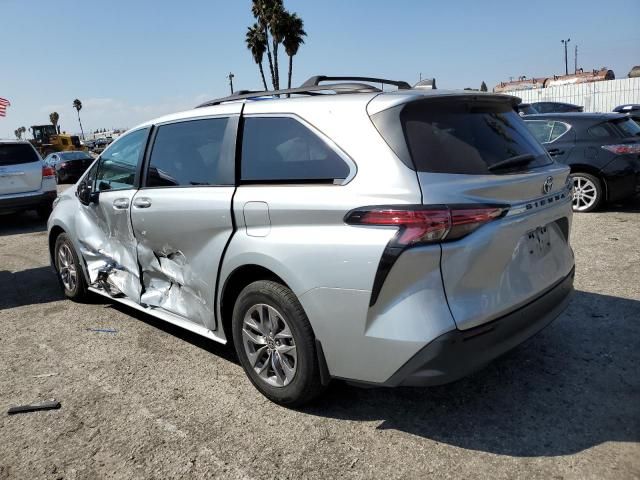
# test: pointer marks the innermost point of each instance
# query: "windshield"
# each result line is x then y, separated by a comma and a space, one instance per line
74, 156
468, 137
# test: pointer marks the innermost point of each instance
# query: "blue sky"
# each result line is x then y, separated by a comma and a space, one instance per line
129, 61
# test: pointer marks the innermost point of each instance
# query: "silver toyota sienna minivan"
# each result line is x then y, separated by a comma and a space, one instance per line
333, 230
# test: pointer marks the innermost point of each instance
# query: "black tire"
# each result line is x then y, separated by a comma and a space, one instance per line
306, 383
79, 292
591, 203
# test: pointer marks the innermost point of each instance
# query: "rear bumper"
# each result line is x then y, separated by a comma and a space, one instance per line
458, 353
27, 201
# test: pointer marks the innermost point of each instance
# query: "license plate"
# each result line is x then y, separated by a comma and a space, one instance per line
539, 241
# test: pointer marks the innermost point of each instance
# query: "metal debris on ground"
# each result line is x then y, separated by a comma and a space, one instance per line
44, 375
33, 407
103, 330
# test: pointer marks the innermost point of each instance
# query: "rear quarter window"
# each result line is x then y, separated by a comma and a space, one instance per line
282, 149
16, 153
467, 137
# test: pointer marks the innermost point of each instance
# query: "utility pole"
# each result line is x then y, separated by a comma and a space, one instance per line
230, 77
566, 64
575, 60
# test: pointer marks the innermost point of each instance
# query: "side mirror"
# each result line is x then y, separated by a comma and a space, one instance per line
86, 195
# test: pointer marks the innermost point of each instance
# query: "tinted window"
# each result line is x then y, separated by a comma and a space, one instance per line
188, 153
283, 149
119, 162
75, 156
467, 136
14, 153
627, 127
558, 130
601, 131
541, 129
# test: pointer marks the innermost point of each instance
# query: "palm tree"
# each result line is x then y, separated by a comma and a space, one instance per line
261, 10
77, 104
257, 44
18, 133
54, 117
277, 26
293, 38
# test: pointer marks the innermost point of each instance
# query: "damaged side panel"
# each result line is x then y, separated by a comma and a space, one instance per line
108, 245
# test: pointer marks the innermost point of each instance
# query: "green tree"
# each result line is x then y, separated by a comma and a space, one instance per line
257, 44
18, 133
77, 104
483, 87
293, 38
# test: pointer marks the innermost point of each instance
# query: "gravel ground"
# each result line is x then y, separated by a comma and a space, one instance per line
152, 401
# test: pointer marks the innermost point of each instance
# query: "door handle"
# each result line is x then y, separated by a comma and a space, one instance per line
121, 204
555, 151
142, 202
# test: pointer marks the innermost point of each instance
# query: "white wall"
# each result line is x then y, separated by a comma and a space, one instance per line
594, 97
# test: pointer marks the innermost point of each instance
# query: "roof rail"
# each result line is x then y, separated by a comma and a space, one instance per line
324, 78
309, 90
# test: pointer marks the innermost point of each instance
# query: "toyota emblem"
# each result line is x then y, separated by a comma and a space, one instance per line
547, 185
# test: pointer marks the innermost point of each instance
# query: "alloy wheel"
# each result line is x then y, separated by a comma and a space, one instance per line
67, 268
585, 193
269, 345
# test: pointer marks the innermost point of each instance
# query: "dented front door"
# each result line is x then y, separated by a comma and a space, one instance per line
103, 224
181, 216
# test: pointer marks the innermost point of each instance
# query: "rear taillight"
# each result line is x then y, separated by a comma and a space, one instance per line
48, 172
420, 224
623, 149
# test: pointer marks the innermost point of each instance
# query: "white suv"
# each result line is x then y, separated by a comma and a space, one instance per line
25, 182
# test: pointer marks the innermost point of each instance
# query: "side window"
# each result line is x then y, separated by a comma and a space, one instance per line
119, 162
601, 131
189, 154
281, 149
558, 130
541, 129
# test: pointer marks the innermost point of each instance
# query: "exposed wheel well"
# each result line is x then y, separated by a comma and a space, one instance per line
53, 236
235, 283
579, 168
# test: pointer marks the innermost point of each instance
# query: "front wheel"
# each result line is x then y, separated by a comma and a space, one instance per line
275, 344
587, 192
69, 270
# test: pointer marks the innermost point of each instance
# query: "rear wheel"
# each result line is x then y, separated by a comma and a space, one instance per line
587, 192
69, 270
275, 344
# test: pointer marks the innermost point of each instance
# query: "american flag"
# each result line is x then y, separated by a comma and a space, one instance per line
4, 103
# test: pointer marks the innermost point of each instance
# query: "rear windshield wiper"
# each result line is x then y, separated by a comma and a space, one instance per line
512, 162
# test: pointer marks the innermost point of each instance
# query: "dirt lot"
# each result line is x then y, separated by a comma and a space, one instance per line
152, 401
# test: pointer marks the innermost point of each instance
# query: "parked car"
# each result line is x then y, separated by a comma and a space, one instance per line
556, 107
630, 110
26, 183
602, 149
99, 145
525, 109
385, 238
69, 166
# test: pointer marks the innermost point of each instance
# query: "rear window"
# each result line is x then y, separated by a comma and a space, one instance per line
75, 156
627, 127
467, 137
15, 153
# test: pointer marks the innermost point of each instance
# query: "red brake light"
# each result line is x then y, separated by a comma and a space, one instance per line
48, 171
623, 149
423, 224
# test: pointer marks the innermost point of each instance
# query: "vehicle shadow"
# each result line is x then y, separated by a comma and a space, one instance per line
628, 206
572, 387
28, 287
223, 351
25, 222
